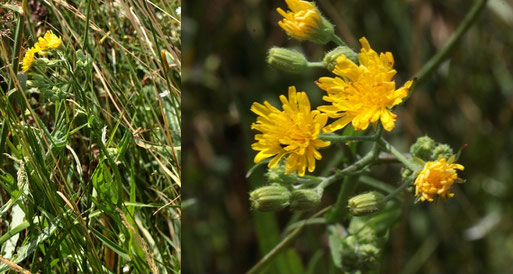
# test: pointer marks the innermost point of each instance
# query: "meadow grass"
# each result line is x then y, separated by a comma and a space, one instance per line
90, 173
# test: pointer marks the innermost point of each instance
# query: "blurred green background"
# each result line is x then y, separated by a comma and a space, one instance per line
467, 100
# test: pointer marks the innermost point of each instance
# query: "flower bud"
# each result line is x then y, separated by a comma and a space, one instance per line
45, 62
442, 150
287, 60
304, 199
423, 148
330, 59
276, 175
365, 204
305, 22
405, 173
269, 198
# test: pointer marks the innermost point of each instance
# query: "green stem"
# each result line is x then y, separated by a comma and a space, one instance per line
258, 267
398, 190
315, 65
358, 165
388, 147
440, 56
338, 211
339, 138
338, 41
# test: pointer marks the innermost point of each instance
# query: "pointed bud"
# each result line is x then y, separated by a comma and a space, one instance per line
304, 199
365, 204
269, 198
330, 59
287, 60
443, 151
423, 148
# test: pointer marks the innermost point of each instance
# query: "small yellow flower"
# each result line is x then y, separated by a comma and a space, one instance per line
53, 41
436, 179
292, 132
304, 22
28, 59
362, 94
48, 41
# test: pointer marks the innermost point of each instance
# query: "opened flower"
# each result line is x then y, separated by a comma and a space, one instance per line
363, 93
436, 179
28, 59
292, 132
304, 22
48, 41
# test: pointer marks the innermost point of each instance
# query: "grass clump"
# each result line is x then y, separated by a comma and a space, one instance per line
90, 138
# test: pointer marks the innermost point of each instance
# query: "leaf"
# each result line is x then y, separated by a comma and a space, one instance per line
335, 235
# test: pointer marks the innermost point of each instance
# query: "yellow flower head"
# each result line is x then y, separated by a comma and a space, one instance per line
48, 41
304, 22
362, 94
291, 132
28, 59
436, 179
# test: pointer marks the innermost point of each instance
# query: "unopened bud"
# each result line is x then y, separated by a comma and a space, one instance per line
423, 148
365, 204
304, 199
269, 198
287, 60
330, 59
442, 150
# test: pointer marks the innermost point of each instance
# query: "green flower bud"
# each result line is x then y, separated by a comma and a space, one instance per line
365, 204
405, 173
330, 59
324, 32
287, 60
304, 199
269, 198
423, 148
45, 62
442, 150
357, 254
277, 175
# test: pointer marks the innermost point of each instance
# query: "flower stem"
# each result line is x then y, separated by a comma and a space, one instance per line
338, 41
315, 65
440, 56
339, 138
257, 268
398, 190
388, 147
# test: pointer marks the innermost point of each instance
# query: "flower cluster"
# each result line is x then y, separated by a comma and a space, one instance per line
362, 93
48, 42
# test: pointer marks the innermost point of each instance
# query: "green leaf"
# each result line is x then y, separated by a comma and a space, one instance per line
335, 236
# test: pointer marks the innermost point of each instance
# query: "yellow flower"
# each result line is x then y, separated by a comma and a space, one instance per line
291, 132
436, 179
28, 59
48, 41
304, 22
362, 94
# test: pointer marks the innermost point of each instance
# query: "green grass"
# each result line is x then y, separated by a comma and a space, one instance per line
90, 173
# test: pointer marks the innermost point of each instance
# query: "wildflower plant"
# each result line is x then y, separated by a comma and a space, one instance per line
360, 91
90, 139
